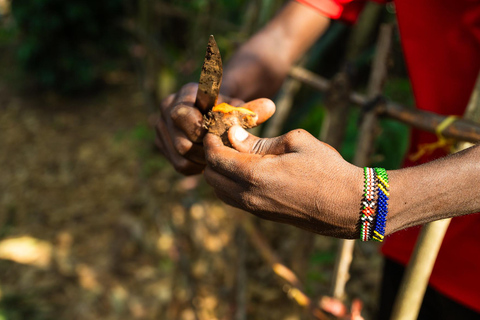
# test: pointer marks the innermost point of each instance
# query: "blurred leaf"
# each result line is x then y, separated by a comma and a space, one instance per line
26, 250
166, 82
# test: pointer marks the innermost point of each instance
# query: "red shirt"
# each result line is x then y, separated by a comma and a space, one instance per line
441, 44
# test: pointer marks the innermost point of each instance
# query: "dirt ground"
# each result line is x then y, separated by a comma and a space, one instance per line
94, 224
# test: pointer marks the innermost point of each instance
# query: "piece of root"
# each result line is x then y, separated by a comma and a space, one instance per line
223, 116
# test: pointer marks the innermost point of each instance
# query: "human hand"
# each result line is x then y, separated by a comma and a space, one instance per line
180, 128
294, 179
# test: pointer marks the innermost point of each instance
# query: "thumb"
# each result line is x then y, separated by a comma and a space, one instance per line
243, 141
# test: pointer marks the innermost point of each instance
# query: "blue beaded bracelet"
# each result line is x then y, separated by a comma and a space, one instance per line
382, 204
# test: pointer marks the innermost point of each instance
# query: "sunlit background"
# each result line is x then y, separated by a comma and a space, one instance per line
94, 223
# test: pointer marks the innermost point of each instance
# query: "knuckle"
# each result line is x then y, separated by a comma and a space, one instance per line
179, 166
189, 120
182, 149
181, 112
191, 86
295, 136
185, 168
261, 146
249, 201
167, 102
182, 146
211, 159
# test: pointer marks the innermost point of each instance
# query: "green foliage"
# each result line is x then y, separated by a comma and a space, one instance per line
312, 120
20, 307
66, 45
142, 138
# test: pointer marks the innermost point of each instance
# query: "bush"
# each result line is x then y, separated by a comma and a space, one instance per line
66, 45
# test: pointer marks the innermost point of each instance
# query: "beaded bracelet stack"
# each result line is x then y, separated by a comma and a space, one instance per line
374, 211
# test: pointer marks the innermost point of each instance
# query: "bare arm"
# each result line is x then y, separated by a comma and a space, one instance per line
445, 188
298, 180
261, 64
256, 70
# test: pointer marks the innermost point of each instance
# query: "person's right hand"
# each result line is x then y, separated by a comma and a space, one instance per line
180, 128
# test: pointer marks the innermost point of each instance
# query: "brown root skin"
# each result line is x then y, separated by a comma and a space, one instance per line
224, 116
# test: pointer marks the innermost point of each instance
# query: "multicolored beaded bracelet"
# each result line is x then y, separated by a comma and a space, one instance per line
382, 206
374, 204
368, 205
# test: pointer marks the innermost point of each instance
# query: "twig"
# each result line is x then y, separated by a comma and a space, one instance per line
375, 86
284, 104
296, 292
414, 284
337, 104
364, 150
333, 132
241, 304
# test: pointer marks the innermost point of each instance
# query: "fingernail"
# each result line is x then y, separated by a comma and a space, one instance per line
240, 134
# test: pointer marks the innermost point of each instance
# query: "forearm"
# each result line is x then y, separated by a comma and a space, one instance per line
261, 64
445, 188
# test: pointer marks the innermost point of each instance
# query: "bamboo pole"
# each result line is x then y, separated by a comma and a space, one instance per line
414, 284
364, 149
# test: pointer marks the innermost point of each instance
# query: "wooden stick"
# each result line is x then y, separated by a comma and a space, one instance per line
284, 104
461, 130
364, 150
341, 273
337, 104
296, 290
414, 284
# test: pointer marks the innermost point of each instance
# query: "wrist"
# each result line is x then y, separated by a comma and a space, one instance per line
396, 205
356, 190
374, 209
346, 197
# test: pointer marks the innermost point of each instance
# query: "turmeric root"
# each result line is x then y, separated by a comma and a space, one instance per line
223, 116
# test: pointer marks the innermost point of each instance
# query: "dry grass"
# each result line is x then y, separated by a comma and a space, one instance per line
112, 232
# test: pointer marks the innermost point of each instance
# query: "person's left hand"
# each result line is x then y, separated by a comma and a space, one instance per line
294, 179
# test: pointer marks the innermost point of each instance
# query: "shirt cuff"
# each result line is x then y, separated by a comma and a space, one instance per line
330, 8
344, 10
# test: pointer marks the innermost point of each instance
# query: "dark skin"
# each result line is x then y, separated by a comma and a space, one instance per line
180, 131
299, 180
295, 178
256, 71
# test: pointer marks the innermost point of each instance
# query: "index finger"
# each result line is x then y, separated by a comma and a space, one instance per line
263, 107
184, 115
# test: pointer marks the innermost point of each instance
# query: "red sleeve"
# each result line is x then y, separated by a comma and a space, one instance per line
345, 10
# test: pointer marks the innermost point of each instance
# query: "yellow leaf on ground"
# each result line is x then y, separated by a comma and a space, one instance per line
26, 250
